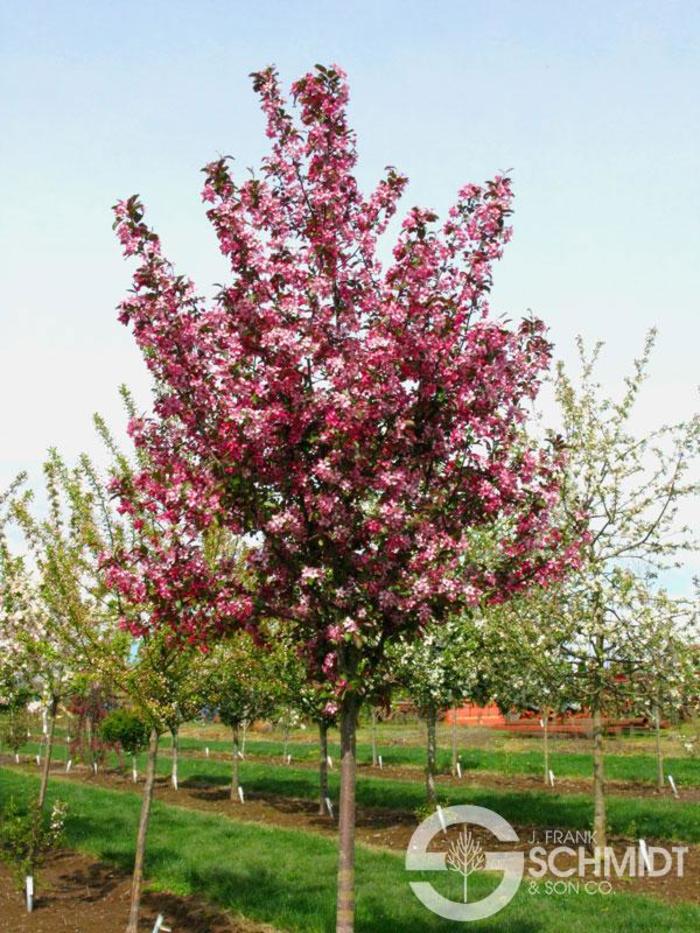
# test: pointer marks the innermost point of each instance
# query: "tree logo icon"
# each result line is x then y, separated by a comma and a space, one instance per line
465, 855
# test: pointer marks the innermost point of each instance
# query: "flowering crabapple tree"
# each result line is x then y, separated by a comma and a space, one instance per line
438, 670
526, 661
669, 678
359, 423
244, 686
630, 487
164, 678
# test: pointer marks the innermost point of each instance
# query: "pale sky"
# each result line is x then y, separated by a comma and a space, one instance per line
592, 105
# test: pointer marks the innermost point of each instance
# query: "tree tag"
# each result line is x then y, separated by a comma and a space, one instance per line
29, 887
644, 853
441, 817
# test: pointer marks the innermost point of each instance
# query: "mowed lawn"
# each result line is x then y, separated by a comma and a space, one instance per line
662, 818
619, 764
287, 877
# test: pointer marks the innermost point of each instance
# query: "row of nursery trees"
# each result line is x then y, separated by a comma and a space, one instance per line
339, 474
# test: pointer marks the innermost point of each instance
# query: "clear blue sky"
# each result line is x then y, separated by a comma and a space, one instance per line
592, 105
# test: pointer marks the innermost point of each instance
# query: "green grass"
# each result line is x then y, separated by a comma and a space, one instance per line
619, 767
663, 818
287, 877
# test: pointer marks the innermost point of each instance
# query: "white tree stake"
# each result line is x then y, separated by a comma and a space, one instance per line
289, 759
329, 761
644, 852
29, 886
551, 777
459, 770
38, 760
159, 928
240, 794
69, 765
329, 807
16, 758
381, 763
441, 817
673, 785
206, 751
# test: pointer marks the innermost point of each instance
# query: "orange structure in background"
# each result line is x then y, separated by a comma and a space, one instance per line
528, 721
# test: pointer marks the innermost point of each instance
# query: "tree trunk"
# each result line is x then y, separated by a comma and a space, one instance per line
373, 733
345, 920
454, 740
234, 764
545, 743
599, 820
431, 721
323, 766
659, 753
286, 741
53, 709
137, 879
175, 732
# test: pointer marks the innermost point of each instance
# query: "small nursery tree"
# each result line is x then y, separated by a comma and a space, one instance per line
629, 488
438, 671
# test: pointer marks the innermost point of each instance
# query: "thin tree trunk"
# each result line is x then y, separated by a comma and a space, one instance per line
234, 763
545, 743
373, 733
286, 740
659, 753
599, 819
175, 732
53, 709
345, 920
137, 879
454, 740
431, 721
323, 765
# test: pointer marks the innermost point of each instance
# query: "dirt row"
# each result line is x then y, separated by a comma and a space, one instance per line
79, 895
